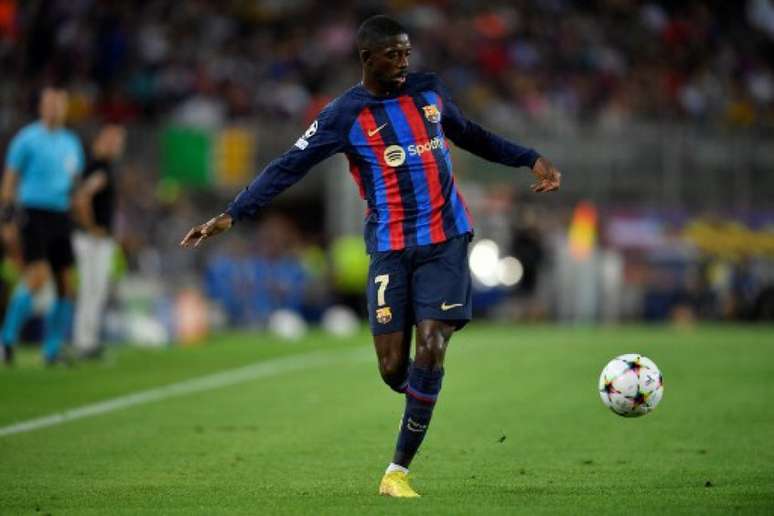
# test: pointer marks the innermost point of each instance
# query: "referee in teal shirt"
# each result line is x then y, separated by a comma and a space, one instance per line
43, 163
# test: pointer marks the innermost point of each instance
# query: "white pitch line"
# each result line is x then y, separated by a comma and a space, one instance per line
254, 371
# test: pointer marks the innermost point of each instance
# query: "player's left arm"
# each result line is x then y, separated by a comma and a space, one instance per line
473, 138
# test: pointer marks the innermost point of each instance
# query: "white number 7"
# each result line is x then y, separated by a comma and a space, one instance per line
383, 280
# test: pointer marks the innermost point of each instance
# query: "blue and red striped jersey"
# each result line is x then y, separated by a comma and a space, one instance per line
399, 157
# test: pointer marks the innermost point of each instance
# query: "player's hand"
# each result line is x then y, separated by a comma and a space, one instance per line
202, 232
547, 176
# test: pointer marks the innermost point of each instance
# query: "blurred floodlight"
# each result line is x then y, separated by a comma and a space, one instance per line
509, 271
483, 262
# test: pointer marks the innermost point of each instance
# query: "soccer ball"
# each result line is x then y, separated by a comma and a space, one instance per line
631, 385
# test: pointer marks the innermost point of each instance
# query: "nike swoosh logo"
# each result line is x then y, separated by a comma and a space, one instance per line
371, 133
446, 307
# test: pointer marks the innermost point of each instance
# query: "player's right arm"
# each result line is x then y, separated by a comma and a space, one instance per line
321, 140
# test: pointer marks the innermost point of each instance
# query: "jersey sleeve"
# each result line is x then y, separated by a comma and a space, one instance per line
17, 153
477, 140
320, 141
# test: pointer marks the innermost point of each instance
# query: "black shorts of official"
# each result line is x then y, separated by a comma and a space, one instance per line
430, 282
45, 235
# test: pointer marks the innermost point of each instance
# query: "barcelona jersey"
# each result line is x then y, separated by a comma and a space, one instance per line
398, 152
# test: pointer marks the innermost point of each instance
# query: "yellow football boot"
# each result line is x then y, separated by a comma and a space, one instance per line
396, 484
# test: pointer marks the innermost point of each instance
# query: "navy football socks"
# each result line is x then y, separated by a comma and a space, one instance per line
421, 394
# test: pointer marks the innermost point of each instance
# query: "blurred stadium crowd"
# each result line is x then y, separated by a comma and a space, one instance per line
603, 60
193, 75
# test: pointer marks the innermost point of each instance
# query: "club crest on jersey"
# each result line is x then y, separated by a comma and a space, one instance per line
431, 113
383, 315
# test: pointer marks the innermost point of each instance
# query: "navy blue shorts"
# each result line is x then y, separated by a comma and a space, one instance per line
420, 283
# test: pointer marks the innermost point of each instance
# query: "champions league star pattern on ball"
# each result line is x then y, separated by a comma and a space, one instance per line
399, 157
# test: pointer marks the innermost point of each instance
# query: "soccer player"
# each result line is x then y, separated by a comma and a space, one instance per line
43, 161
93, 206
393, 128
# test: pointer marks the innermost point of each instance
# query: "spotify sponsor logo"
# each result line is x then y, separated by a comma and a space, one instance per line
394, 155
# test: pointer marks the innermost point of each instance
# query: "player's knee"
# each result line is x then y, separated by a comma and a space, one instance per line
431, 344
431, 353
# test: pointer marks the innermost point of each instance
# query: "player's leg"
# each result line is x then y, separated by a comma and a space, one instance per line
392, 319
395, 365
60, 314
102, 269
393, 353
33, 237
390, 316
421, 388
442, 296
35, 275
94, 256
424, 386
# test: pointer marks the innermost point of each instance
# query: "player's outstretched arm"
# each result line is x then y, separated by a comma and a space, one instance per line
547, 176
202, 232
320, 141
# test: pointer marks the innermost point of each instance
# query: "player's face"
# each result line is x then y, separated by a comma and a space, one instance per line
388, 63
53, 106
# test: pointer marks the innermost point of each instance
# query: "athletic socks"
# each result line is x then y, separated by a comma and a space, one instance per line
421, 395
58, 321
18, 309
395, 467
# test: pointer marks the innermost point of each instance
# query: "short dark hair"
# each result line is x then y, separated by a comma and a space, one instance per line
376, 29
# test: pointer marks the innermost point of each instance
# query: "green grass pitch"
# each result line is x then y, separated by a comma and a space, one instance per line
519, 429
